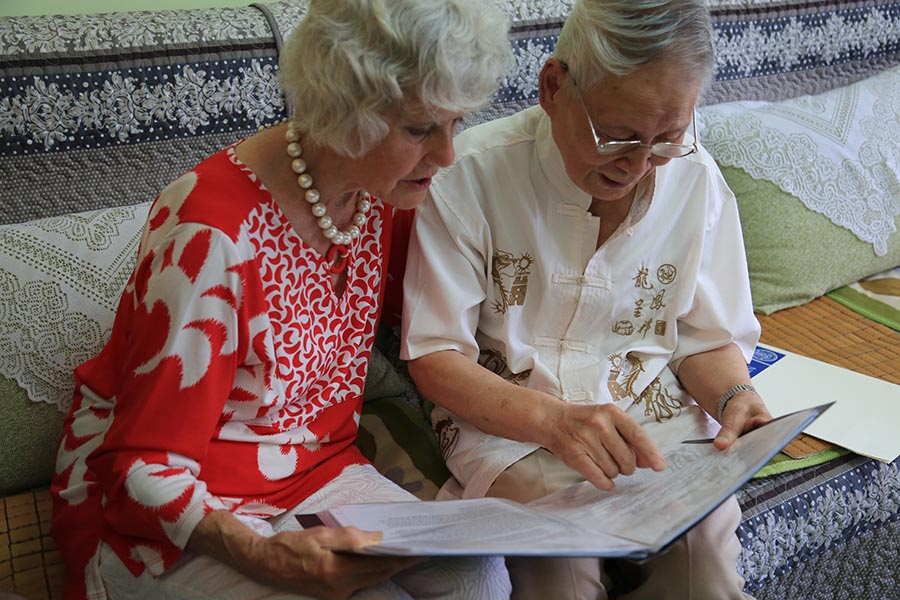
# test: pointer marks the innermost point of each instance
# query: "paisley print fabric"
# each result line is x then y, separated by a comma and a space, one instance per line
232, 380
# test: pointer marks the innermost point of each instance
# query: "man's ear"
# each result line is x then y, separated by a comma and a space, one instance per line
550, 82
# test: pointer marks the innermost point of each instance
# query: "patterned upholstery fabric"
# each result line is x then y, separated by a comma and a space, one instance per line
104, 110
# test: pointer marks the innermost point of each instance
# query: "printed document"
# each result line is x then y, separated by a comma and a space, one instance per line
641, 516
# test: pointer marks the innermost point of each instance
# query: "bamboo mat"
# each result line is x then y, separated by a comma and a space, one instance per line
30, 566
828, 331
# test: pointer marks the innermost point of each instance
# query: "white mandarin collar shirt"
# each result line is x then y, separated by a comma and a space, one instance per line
503, 267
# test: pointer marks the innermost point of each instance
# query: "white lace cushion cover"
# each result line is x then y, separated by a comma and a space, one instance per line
60, 281
838, 152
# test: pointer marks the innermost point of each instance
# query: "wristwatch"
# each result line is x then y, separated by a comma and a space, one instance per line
723, 400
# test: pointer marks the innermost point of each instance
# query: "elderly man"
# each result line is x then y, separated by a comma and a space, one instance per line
577, 298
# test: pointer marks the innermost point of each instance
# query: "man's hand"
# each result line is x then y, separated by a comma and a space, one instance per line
745, 411
600, 442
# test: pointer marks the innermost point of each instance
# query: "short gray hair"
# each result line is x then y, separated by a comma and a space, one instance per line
349, 63
617, 37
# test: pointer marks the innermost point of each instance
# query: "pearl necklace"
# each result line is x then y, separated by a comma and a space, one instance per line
340, 240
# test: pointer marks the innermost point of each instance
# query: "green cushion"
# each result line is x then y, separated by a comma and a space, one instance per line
868, 304
30, 432
794, 254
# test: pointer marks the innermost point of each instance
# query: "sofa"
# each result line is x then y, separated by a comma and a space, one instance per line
99, 112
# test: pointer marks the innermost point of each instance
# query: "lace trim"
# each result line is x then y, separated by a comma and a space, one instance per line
838, 152
60, 282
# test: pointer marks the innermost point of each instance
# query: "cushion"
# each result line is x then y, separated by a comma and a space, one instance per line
30, 432
794, 254
817, 179
402, 446
60, 280
395, 433
876, 297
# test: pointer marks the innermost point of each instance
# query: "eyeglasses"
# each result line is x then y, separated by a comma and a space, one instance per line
665, 150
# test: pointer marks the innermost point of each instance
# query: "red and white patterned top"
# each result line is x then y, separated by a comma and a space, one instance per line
233, 378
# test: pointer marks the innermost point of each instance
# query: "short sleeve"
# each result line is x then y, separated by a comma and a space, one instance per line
722, 309
445, 281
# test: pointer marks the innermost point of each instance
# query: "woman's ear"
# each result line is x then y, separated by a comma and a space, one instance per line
553, 76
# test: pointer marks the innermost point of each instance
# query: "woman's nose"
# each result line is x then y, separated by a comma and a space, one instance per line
441, 152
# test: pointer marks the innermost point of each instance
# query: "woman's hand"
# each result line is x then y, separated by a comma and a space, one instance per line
306, 562
745, 411
600, 442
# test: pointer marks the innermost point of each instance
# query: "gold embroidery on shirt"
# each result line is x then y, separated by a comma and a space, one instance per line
645, 327
659, 402
623, 327
660, 328
512, 270
623, 373
495, 362
666, 273
448, 436
642, 279
649, 301
638, 307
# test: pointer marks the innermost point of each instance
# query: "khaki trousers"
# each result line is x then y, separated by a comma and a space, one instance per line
701, 565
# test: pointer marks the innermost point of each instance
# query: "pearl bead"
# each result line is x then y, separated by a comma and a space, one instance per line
319, 210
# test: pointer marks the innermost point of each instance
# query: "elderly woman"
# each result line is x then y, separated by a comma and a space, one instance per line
228, 397
577, 298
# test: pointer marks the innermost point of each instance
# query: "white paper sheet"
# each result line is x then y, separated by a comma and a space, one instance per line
865, 417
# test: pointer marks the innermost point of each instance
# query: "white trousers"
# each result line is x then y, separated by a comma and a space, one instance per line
201, 577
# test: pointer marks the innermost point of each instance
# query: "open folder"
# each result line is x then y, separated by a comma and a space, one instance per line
643, 514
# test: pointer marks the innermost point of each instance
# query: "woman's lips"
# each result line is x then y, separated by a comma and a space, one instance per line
422, 183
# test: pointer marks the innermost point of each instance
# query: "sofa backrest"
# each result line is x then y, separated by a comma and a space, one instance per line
104, 110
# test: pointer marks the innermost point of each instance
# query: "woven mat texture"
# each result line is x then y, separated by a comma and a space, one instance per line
828, 331
30, 566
